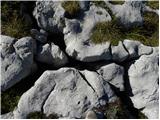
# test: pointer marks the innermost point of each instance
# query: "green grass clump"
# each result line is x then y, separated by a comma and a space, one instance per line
153, 4
106, 31
113, 32
72, 8
148, 34
120, 2
40, 115
12, 23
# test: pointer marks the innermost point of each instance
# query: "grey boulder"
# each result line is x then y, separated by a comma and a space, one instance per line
136, 48
51, 54
77, 34
16, 60
66, 92
39, 36
129, 13
143, 78
113, 74
49, 15
7, 116
119, 53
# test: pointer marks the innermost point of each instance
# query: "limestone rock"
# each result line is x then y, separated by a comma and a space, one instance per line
136, 48
152, 111
143, 78
74, 94
129, 13
51, 54
7, 116
39, 36
113, 74
16, 60
91, 115
77, 36
49, 15
33, 100
119, 53
66, 92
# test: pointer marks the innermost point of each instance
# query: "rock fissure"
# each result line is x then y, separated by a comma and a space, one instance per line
87, 81
42, 107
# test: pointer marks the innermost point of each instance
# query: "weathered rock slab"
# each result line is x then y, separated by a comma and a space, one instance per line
143, 78
16, 60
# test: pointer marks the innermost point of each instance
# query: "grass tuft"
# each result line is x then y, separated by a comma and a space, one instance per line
72, 8
12, 23
106, 31
113, 32
153, 4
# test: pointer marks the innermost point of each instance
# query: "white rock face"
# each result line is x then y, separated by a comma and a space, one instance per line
74, 95
16, 60
119, 53
77, 36
66, 92
113, 74
143, 78
34, 98
51, 54
129, 13
152, 111
49, 15
7, 116
136, 48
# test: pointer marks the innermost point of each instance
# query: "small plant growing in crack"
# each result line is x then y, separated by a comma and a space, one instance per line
72, 8
153, 4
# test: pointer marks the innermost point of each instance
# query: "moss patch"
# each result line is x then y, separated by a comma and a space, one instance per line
113, 32
72, 8
153, 4
12, 23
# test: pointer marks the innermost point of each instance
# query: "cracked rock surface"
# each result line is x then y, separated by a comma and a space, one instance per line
80, 78
66, 92
16, 60
143, 78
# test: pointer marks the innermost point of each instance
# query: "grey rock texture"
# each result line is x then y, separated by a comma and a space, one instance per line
119, 52
129, 13
34, 98
49, 15
66, 92
113, 74
84, 5
51, 54
77, 36
7, 116
152, 111
143, 78
136, 48
16, 60
39, 36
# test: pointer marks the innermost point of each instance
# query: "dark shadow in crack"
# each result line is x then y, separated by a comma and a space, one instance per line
134, 113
